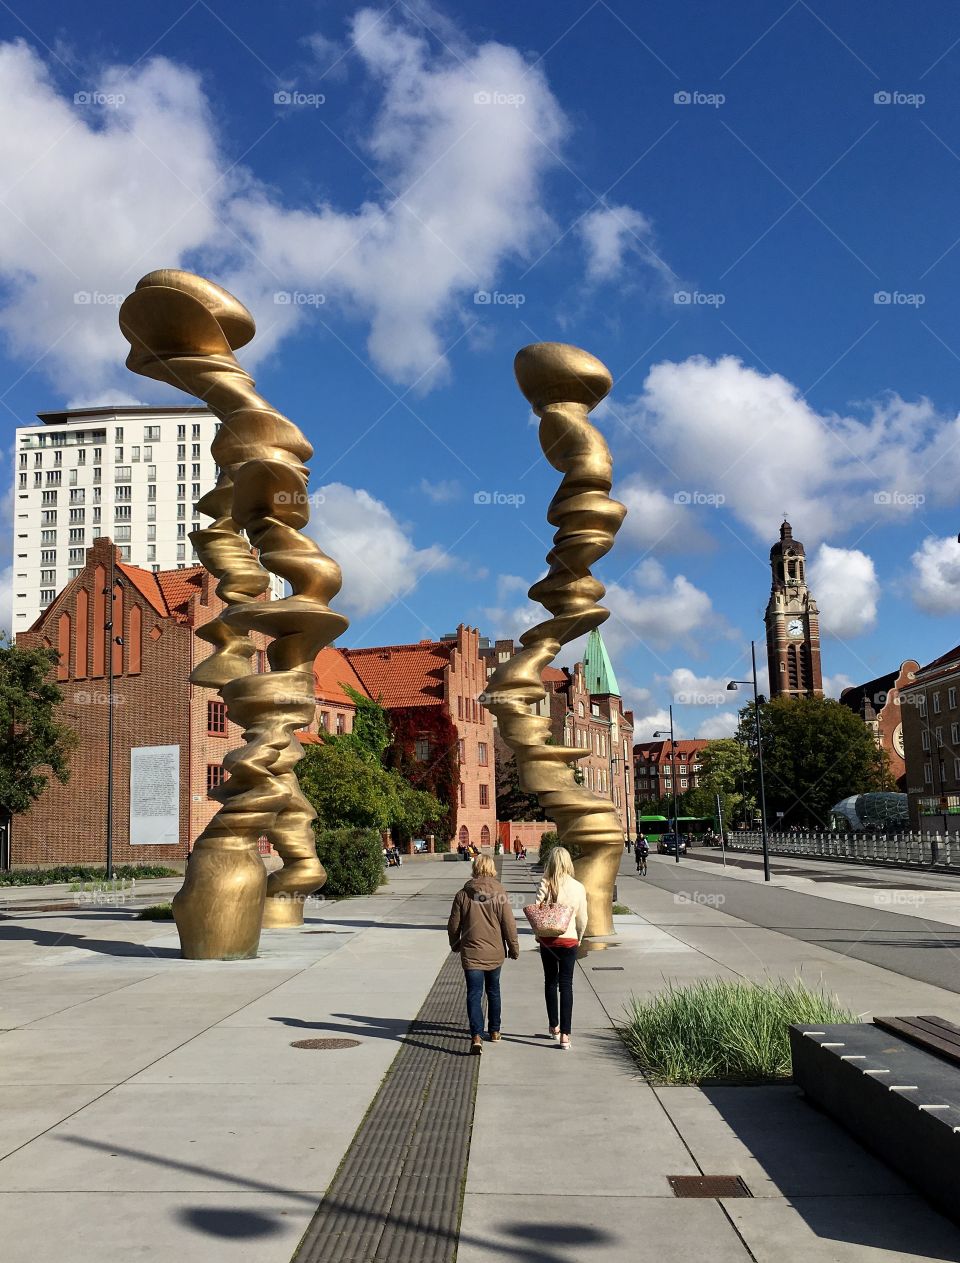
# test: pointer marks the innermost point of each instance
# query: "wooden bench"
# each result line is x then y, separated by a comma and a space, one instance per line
895, 1085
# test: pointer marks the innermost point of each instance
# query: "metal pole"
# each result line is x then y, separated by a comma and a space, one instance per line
673, 777
109, 630
723, 844
763, 797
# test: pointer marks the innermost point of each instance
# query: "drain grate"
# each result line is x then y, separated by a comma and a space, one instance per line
708, 1186
324, 1045
607, 969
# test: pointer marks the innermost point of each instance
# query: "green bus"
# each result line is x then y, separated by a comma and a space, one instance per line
693, 826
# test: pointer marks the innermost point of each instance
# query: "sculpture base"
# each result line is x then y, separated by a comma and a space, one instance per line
283, 912
219, 907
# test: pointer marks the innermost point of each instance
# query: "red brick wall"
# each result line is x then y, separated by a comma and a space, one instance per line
465, 678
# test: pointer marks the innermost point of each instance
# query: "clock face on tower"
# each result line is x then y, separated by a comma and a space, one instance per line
898, 739
795, 627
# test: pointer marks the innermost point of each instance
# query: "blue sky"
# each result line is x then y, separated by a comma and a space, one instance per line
750, 213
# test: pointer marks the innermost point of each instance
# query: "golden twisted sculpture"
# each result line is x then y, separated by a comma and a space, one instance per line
563, 385
183, 330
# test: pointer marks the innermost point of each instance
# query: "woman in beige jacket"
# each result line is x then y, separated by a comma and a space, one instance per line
483, 929
559, 955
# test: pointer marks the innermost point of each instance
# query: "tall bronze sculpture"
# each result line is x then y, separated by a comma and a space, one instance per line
183, 330
563, 385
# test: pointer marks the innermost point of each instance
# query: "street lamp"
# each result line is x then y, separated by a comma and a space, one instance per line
673, 778
732, 686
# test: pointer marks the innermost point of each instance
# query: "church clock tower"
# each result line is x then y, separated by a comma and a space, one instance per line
793, 623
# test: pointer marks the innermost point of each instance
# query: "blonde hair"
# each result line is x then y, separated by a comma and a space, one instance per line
559, 865
483, 866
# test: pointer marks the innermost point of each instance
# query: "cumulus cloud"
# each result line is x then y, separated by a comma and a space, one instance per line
441, 492
723, 429
689, 689
652, 608
833, 685
611, 233
511, 613
656, 521
379, 560
150, 184
722, 725
847, 591
936, 580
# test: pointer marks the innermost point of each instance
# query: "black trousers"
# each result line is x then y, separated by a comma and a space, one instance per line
558, 966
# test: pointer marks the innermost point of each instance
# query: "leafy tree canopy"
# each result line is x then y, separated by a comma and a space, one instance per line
34, 744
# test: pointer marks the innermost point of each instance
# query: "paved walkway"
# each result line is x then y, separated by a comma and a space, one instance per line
154, 1108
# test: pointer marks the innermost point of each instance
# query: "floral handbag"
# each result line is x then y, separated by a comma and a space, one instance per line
548, 920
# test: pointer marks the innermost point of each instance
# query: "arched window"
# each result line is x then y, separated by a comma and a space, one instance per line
485, 836
135, 640
99, 620
464, 835
580, 710
83, 634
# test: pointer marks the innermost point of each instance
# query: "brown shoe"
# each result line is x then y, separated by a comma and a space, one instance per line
476, 1046
494, 1037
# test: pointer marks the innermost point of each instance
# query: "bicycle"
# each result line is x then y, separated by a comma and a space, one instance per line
642, 866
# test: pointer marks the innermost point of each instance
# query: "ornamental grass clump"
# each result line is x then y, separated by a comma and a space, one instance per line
719, 1030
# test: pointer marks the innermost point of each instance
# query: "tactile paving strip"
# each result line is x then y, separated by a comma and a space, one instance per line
396, 1196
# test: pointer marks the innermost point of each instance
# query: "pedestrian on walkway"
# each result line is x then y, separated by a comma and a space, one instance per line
559, 955
483, 929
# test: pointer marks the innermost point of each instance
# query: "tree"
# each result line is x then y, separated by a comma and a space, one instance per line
439, 773
33, 743
514, 803
725, 769
351, 790
815, 752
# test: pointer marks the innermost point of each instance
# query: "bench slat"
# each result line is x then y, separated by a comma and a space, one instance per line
923, 1032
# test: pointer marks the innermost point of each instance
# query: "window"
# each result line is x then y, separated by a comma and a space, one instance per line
46, 595
683, 782
76, 556
48, 576
196, 491
463, 794
54, 477
341, 723
48, 537
181, 432
181, 491
954, 734
181, 471
23, 460
124, 552
48, 497
460, 750
151, 552
484, 795
118, 434
97, 455
579, 710
928, 773
22, 481
78, 515
956, 769
148, 456
325, 720
151, 532
58, 458
938, 734
195, 452
82, 456
123, 473
181, 451
123, 493
37, 480
195, 430
151, 433
936, 703
78, 495
459, 707
122, 512
952, 699
135, 454
151, 491
216, 718
118, 455
196, 470
72, 478
595, 709
122, 534
482, 753
181, 530
151, 512
925, 739
215, 776
76, 535
181, 552
151, 473
421, 749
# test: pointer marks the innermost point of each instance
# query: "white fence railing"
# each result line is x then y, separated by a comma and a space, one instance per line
922, 850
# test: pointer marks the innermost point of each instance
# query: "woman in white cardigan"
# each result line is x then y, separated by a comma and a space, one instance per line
559, 955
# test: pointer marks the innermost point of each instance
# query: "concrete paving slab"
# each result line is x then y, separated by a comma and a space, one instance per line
93, 1227
27, 1112
576, 1229
80, 1055
284, 1139
843, 1229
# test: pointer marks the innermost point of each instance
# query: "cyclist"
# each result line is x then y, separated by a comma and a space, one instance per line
641, 850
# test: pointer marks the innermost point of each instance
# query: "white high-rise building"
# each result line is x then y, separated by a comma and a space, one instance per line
134, 474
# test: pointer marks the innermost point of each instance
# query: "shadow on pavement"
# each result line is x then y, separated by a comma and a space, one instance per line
107, 947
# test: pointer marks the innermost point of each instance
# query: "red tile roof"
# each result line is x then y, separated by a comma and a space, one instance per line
403, 675
178, 586
331, 670
146, 584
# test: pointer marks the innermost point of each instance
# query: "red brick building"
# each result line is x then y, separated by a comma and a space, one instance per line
878, 704
155, 616
654, 770
586, 710
445, 676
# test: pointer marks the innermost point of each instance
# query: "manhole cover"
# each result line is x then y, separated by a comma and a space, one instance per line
708, 1186
325, 1045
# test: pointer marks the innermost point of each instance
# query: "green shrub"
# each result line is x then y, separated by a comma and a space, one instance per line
353, 859
83, 872
718, 1029
156, 912
549, 841
442, 847
621, 910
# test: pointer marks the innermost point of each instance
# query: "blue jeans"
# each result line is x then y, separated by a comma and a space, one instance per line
478, 981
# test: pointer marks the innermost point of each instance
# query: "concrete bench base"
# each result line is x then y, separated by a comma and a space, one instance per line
899, 1101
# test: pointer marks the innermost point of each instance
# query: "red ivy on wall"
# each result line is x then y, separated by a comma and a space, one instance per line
439, 773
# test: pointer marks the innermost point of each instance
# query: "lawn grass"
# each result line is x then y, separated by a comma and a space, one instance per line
156, 912
621, 910
83, 873
719, 1030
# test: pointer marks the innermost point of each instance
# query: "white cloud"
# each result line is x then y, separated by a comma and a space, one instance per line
936, 581
651, 721
378, 558
442, 492
720, 428
652, 608
689, 689
149, 185
845, 583
655, 520
610, 234
722, 725
511, 614
833, 685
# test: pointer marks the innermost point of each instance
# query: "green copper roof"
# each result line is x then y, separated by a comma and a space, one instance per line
597, 668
